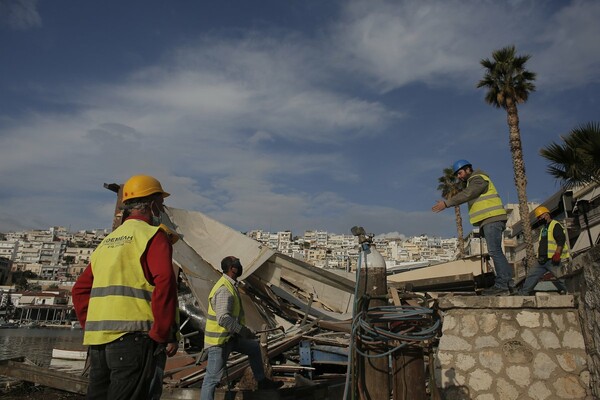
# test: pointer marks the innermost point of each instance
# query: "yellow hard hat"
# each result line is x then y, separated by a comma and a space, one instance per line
141, 186
539, 211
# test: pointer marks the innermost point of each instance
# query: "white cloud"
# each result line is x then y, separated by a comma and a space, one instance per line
440, 43
20, 14
232, 125
570, 55
260, 136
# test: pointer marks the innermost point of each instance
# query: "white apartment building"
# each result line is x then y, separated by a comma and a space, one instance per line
78, 255
259, 236
316, 238
9, 249
42, 251
53, 272
322, 238
29, 253
316, 257
75, 269
284, 242
310, 237
52, 252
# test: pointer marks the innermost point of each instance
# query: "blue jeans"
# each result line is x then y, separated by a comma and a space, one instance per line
492, 233
122, 369
217, 362
536, 273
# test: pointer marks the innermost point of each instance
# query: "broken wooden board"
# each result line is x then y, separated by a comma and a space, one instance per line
22, 369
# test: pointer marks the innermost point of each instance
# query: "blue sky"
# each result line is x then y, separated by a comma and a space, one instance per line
278, 114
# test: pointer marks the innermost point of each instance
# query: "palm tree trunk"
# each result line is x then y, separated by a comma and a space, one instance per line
459, 229
520, 178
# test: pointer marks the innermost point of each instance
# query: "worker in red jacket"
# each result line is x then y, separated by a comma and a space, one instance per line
126, 300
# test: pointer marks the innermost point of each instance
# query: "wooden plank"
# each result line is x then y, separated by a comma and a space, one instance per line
395, 297
431, 283
18, 368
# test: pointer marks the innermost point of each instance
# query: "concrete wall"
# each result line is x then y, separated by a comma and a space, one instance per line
512, 348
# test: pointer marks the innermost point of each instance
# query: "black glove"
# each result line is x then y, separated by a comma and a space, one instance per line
247, 333
542, 260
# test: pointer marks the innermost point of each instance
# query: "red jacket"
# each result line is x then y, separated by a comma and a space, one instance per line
158, 269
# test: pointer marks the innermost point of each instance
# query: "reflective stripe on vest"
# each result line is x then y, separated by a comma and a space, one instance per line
552, 246
120, 296
215, 334
487, 205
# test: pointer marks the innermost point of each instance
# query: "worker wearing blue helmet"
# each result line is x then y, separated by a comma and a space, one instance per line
487, 212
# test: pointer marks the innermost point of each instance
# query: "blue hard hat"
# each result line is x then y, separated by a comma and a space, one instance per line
460, 164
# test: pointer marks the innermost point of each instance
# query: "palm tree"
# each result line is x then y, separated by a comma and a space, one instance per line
508, 84
577, 160
450, 186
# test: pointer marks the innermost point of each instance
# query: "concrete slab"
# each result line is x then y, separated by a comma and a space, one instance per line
539, 301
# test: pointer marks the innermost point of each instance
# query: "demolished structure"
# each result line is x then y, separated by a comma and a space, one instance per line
313, 306
322, 331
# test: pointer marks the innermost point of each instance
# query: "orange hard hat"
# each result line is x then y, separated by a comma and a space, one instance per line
141, 186
541, 210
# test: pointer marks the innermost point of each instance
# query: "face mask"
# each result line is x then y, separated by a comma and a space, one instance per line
240, 270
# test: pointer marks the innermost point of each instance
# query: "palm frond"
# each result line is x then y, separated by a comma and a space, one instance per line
577, 159
506, 77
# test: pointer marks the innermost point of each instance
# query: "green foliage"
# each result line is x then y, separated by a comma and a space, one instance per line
577, 159
506, 78
20, 279
449, 185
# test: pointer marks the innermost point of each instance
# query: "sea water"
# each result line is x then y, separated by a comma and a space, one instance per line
36, 345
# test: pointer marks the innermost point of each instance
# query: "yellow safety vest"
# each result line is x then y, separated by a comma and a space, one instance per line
121, 295
552, 246
215, 334
487, 205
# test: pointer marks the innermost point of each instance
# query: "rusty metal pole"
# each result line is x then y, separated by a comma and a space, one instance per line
373, 379
118, 215
408, 368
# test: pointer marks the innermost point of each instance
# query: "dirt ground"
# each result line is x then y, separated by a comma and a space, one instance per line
28, 391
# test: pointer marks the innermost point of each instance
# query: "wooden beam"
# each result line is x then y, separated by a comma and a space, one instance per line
22, 369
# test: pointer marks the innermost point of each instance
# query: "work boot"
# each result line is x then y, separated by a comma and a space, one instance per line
495, 291
268, 384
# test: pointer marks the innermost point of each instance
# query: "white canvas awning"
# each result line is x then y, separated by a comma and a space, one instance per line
205, 242
590, 195
215, 241
583, 240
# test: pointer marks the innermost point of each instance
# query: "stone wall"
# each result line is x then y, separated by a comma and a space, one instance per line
512, 348
588, 285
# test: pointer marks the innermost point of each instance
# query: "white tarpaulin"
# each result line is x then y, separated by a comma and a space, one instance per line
214, 241
583, 240
205, 242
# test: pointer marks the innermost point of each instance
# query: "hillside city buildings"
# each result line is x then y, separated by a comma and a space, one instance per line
38, 267
57, 254
52, 254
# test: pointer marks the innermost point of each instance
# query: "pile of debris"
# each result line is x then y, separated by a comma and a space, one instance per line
308, 316
317, 331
